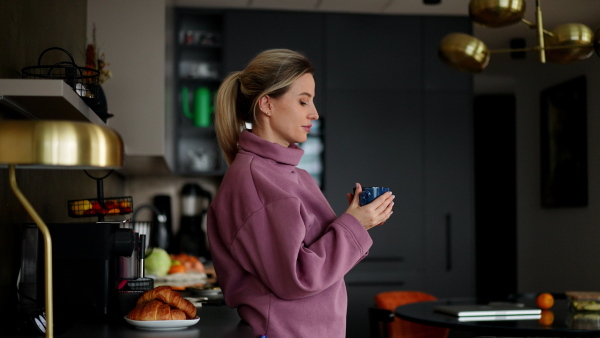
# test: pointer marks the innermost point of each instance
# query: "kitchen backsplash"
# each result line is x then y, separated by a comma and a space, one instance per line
144, 188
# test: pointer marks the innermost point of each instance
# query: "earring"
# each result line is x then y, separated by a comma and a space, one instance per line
268, 113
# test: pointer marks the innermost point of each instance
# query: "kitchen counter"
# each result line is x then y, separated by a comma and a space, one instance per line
216, 321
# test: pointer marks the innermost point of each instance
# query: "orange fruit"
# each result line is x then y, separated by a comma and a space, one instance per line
177, 268
544, 300
547, 318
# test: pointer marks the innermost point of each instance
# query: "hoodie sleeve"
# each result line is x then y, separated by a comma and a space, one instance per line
271, 246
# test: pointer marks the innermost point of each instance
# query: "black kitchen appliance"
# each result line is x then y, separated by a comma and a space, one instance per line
162, 231
192, 235
85, 264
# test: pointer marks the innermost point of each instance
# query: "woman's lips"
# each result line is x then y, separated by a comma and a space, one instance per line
307, 128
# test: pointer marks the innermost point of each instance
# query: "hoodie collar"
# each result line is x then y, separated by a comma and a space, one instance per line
263, 148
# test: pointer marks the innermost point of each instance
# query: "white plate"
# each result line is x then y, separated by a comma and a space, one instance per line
162, 325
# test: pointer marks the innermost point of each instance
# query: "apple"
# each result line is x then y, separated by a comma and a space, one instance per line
111, 204
96, 206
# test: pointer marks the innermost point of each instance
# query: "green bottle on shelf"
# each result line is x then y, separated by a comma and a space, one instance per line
201, 115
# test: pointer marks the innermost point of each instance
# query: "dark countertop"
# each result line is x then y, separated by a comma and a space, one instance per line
216, 321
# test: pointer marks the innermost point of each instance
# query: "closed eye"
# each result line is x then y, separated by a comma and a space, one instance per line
305, 96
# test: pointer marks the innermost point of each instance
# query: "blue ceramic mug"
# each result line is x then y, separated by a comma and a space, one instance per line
369, 194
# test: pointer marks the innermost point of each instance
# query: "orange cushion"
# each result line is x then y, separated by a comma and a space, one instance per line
400, 328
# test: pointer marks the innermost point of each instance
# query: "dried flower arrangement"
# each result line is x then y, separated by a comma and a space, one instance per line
95, 60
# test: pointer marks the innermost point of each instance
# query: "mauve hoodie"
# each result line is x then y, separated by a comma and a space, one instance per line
280, 252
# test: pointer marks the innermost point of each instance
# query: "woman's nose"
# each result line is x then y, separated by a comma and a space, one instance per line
314, 115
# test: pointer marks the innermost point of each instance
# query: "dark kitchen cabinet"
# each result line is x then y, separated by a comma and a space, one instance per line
449, 180
398, 118
198, 73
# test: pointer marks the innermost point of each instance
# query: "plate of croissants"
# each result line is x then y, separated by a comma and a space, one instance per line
162, 308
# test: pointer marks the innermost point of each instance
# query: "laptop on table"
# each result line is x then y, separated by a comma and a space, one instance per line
500, 311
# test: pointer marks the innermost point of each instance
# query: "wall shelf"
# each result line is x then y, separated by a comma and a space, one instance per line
198, 65
45, 100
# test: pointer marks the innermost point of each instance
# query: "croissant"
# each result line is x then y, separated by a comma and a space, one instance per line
155, 310
172, 298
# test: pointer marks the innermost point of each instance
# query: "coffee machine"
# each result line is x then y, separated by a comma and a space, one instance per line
192, 229
85, 258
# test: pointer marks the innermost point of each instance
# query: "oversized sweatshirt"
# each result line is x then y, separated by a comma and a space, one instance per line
280, 252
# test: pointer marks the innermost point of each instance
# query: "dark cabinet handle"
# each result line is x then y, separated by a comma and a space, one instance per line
448, 242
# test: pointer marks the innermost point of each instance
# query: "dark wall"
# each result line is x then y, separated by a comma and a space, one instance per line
31, 26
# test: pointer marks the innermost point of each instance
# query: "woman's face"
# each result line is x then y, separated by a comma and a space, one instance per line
289, 117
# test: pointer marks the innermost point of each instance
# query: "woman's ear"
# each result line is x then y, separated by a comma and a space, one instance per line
264, 104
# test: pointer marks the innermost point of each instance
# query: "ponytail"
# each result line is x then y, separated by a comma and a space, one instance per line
228, 124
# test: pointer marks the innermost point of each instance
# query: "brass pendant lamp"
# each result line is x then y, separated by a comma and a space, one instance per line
563, 44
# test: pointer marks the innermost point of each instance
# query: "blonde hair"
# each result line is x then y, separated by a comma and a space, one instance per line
271, 72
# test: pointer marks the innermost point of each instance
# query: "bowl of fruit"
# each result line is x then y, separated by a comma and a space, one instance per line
96, 207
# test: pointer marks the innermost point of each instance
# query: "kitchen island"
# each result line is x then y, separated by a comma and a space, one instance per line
216, 321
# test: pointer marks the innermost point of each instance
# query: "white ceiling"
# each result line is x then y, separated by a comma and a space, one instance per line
555, 12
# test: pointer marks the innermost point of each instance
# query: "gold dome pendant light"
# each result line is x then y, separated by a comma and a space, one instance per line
464, 52
564, 44
569, 43
495, 13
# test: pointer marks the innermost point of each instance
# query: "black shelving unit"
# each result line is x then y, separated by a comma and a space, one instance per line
199, 71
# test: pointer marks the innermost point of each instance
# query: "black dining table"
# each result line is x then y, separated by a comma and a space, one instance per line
564, 324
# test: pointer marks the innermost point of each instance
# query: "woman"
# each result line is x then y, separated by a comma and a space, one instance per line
279, 250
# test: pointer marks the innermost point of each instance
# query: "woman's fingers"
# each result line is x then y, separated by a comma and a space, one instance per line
385, 206
354, 199
382, 202
388, 210
357, 191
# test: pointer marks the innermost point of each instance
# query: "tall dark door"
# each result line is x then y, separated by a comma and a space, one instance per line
495, 196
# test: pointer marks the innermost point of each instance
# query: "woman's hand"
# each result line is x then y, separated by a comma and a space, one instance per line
374, 213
